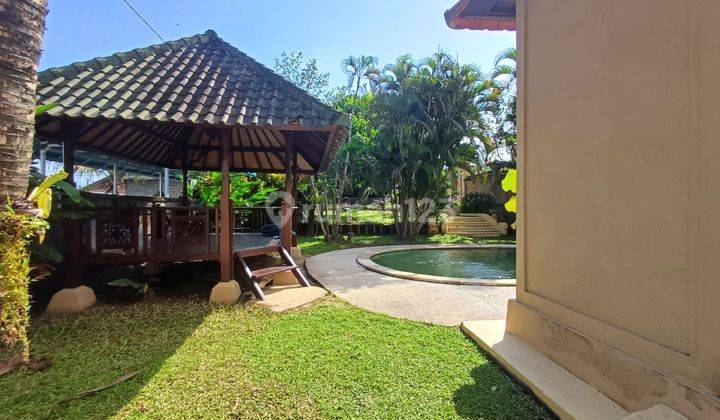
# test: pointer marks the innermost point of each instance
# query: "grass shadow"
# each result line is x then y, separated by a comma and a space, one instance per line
487, 396
92, 349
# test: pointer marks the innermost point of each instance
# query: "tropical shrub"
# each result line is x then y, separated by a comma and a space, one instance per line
476, 202
21, 222
17, 230
246, 190
424, 112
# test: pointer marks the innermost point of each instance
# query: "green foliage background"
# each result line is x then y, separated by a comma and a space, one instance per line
247, 190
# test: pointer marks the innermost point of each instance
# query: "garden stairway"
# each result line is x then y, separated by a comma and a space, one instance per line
475, 225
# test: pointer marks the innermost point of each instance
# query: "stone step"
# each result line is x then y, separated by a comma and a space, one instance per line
471, 232
478, 234
471, 227
469, 224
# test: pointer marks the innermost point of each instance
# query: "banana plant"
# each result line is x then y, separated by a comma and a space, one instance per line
42, 194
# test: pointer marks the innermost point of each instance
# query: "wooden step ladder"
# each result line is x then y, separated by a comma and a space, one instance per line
252, 277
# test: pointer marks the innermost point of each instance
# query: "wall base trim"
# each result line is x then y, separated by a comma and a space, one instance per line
630, 382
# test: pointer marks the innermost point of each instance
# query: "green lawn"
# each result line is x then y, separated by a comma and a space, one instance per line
312, 245
372, 216
361, 216
195, 361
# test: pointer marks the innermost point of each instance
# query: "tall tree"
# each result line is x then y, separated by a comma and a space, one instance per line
504, 76
304, 73
360, 70
22, 25
422, 119
329, 188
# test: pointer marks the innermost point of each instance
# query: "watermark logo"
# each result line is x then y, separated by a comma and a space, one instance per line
417, 210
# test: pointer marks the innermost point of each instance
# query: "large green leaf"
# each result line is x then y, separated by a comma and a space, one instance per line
509, 183
70, 190
41, 109
46, 184
511, 204
46, 252
126, 282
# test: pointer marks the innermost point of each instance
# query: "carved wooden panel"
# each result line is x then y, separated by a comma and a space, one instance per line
117, 233
189, 230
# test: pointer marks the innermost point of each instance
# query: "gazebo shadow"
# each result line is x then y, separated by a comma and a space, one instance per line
97, 347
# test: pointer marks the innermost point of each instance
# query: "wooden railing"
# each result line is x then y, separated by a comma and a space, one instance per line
251, 219
159, 233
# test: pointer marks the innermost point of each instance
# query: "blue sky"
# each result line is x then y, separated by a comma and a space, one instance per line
328, 30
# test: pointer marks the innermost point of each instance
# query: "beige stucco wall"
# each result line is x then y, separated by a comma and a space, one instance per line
619, 150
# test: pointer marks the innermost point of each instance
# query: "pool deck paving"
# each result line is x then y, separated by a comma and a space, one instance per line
443, 304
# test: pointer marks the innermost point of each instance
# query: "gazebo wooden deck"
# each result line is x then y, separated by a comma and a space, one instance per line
192, 104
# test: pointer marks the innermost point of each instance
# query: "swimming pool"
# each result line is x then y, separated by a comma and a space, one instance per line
484, 265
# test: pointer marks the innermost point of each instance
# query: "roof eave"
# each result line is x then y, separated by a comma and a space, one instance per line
456, 18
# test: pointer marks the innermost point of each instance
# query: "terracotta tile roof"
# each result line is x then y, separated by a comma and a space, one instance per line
199, 79
493, 15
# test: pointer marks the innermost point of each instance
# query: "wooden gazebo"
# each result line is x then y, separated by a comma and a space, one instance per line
197, 103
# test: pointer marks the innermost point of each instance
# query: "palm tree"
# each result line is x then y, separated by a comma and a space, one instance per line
360, 69
23, 23
395, 74
506, 68
333, 183
505, 76
424, 114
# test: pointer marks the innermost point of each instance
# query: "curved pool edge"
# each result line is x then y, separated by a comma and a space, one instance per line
365, 261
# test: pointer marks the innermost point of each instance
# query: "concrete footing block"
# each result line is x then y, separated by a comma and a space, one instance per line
71, 300
225, 292
286, 278
295, 252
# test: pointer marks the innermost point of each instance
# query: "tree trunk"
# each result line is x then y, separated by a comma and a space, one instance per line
22, 24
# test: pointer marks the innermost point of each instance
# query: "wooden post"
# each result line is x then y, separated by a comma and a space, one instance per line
296, 213
226, 212
71, 233
288, 203
69, 160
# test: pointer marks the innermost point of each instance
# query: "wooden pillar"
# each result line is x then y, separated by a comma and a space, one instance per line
226, 213
288, 203
71, 228
69, 160
296, 213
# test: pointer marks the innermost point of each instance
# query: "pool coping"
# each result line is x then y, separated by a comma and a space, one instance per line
365, 261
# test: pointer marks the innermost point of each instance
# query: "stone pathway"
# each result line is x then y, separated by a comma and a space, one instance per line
442, 304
